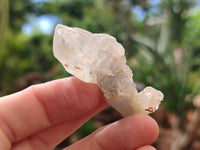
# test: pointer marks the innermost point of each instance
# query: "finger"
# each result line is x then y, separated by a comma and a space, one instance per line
4, 141
50, 137
129, 133
147, 147
41, 106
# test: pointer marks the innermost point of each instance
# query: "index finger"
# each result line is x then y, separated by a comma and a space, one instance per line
41, 106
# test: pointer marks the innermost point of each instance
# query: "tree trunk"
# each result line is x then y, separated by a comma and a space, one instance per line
4, 15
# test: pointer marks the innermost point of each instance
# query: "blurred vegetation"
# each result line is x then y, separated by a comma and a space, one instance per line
161, 38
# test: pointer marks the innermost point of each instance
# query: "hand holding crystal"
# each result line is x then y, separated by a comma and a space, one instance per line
43, 115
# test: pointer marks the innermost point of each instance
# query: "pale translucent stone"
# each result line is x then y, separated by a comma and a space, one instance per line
99, 59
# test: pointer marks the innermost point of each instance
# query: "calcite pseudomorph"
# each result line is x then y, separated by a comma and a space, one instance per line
99, 59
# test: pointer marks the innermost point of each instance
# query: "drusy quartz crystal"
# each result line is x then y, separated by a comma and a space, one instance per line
99, 59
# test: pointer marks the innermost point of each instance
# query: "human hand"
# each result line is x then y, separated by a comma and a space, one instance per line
43, 115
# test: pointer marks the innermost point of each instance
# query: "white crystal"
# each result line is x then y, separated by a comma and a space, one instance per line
99, 59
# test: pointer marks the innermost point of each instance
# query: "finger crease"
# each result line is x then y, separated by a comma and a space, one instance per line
40, 101
11, 133
41, 142
5, 139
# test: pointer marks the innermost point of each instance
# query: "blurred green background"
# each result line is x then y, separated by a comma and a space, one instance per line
162, 42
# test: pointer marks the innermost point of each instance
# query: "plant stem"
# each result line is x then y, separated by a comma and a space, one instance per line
183, 141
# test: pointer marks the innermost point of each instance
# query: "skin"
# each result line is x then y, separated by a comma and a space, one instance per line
43, 115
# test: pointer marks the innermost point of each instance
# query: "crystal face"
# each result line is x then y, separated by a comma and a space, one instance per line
99, 59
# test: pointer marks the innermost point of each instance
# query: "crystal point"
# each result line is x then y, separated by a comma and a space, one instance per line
99, 59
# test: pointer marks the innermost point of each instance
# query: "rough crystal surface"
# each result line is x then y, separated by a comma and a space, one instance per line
99, 59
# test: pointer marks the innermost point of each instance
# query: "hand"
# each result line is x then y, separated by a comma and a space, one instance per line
43, 115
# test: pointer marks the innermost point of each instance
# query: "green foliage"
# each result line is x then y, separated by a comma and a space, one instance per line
86, 129
24, 55
172, 64
150, 49
18, 13
177, 11
192, 33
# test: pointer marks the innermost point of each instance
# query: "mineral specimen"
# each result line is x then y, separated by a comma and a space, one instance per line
99, 59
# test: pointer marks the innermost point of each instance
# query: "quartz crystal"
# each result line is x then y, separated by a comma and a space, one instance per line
99, 59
